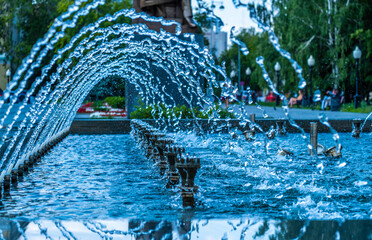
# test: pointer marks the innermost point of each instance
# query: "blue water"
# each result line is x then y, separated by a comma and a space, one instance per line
240, 177
101, 183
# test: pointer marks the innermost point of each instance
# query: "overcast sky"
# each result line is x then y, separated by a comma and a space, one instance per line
232, 16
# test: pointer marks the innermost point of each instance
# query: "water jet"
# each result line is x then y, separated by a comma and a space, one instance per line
267, 186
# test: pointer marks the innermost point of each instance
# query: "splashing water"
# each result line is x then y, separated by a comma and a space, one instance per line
302, 83
324, 120
365, 121
134, 53
275, 42
114, 50
242, 47
260, 62
211, 16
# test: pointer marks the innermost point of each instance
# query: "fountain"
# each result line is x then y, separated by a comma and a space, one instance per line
237, 171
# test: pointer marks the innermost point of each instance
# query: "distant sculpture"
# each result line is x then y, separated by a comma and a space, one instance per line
178, 10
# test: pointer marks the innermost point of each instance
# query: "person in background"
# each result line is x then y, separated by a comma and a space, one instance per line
270, 97
336, 100
296, 100
225, 94
333, 99
326, 101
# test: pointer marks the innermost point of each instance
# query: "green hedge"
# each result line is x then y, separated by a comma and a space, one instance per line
349, 107
115, 102
183, 112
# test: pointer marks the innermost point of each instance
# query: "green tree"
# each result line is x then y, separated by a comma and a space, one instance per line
258, 45
328, 30
324, 29
5, 25
111, 86
110, 7
25, 21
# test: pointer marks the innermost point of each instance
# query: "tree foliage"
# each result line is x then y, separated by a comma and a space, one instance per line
324, 29
258, 45
111, 86
26, 21
327, 30
110, 7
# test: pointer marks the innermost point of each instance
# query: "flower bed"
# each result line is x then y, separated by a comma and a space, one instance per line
103, 111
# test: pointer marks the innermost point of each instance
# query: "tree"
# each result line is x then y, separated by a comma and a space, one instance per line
258, 45
25, 21
112, 86
324, 29
110, 7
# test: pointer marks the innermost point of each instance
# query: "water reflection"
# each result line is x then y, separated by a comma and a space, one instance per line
186, 228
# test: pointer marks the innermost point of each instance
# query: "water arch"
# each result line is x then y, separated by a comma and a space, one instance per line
133, 52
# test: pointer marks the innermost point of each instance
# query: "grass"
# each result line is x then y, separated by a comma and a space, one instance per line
272, 104
267, 104
349, 107
346, 107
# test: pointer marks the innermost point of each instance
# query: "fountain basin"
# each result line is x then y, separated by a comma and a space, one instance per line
107, 177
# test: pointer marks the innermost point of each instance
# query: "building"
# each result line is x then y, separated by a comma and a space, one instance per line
217, 41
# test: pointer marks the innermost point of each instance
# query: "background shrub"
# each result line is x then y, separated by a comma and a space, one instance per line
115, 102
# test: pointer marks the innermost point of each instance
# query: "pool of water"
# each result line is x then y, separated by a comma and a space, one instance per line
240, 177
102, 186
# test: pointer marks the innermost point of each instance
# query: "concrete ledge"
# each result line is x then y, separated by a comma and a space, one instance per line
100, 126
115, 126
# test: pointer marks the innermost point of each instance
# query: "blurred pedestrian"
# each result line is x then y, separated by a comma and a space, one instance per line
296, 100
336, 100
225, 94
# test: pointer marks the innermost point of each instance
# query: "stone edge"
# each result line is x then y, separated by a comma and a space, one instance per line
115, 126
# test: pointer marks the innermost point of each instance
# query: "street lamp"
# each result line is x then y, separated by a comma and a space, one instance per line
239, 73
222, 7
7, 74
248, 73
277, 70
311, 63
357, 54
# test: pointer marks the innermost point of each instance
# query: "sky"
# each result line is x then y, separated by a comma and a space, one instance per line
230, 15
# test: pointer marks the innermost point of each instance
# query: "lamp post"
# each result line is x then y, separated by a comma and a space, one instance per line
277, 70
311, 63
239, 73
222, 7
7, 74
248, 72
357, 54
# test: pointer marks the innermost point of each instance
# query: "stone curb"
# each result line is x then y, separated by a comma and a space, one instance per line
115, 126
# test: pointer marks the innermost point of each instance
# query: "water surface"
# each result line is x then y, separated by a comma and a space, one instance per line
102, 184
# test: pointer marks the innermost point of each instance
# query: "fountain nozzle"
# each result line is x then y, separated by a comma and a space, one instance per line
250, 134
356, 128
187, 168
280, 128
313, 138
